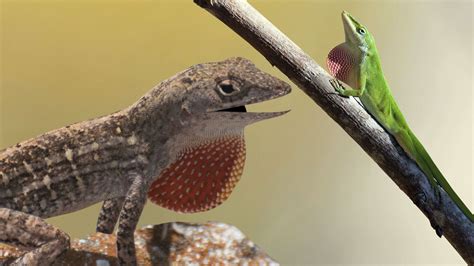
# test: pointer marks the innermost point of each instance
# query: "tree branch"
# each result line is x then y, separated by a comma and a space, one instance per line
445, 217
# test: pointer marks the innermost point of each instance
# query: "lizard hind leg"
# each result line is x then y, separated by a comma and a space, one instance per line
406, 141
22, 229
109, 214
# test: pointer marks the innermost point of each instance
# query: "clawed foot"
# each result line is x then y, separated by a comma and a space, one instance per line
439, 231
336, 84
420, 201
436, 190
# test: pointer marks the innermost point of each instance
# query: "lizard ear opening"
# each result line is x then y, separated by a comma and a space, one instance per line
202, 177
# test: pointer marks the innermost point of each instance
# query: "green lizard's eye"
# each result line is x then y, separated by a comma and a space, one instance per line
361, 31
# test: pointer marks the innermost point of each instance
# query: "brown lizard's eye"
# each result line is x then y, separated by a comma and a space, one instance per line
226, 88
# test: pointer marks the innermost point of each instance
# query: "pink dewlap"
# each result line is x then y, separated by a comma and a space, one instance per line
202, 177
340, 63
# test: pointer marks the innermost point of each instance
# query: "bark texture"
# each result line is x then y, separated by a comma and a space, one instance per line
174, 243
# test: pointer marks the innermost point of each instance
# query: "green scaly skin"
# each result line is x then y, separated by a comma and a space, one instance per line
366, 78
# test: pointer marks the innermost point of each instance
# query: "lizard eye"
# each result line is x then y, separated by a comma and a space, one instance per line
226, 88
361, 31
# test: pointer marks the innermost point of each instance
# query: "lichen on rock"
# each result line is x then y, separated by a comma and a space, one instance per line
174, 243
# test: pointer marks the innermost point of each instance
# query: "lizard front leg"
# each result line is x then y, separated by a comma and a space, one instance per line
129, 215
109, 214
22, 229
341, 90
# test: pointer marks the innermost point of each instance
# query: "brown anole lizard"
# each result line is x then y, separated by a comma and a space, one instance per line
181, 145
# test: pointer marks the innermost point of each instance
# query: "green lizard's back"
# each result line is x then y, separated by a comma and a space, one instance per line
380, 103
408, 140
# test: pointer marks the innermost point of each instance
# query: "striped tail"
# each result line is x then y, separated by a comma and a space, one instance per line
417, 152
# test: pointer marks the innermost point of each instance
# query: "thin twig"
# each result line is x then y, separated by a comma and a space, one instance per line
445, 217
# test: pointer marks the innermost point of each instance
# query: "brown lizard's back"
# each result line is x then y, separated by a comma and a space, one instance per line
46, 175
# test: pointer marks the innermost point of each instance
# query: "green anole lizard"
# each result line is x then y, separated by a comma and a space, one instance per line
356, 62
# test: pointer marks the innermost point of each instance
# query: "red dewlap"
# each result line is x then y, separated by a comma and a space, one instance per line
339, 63
202, 177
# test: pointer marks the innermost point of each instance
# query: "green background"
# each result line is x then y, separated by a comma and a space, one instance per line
67, 61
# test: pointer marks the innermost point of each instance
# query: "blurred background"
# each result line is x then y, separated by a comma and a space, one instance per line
67, 61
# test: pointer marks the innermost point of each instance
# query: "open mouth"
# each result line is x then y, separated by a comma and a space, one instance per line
237, 109
243, 108
240, 107
239, 113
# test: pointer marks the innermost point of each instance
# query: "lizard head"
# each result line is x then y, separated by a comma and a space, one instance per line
228, 86
344, 59
357, 35
207, 148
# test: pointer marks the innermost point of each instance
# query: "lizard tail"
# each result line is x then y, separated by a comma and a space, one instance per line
417, 152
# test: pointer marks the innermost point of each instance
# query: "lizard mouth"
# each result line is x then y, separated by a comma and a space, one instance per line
239, 113
237, 109
241, 110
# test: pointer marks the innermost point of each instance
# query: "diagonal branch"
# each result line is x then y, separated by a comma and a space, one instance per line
445, 217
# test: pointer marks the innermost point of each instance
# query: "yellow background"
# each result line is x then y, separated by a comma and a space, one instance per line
309, 194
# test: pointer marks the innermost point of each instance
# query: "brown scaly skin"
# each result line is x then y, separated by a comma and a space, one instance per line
115, 158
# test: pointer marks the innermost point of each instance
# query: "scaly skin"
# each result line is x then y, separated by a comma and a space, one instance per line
117, 157
356, 62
